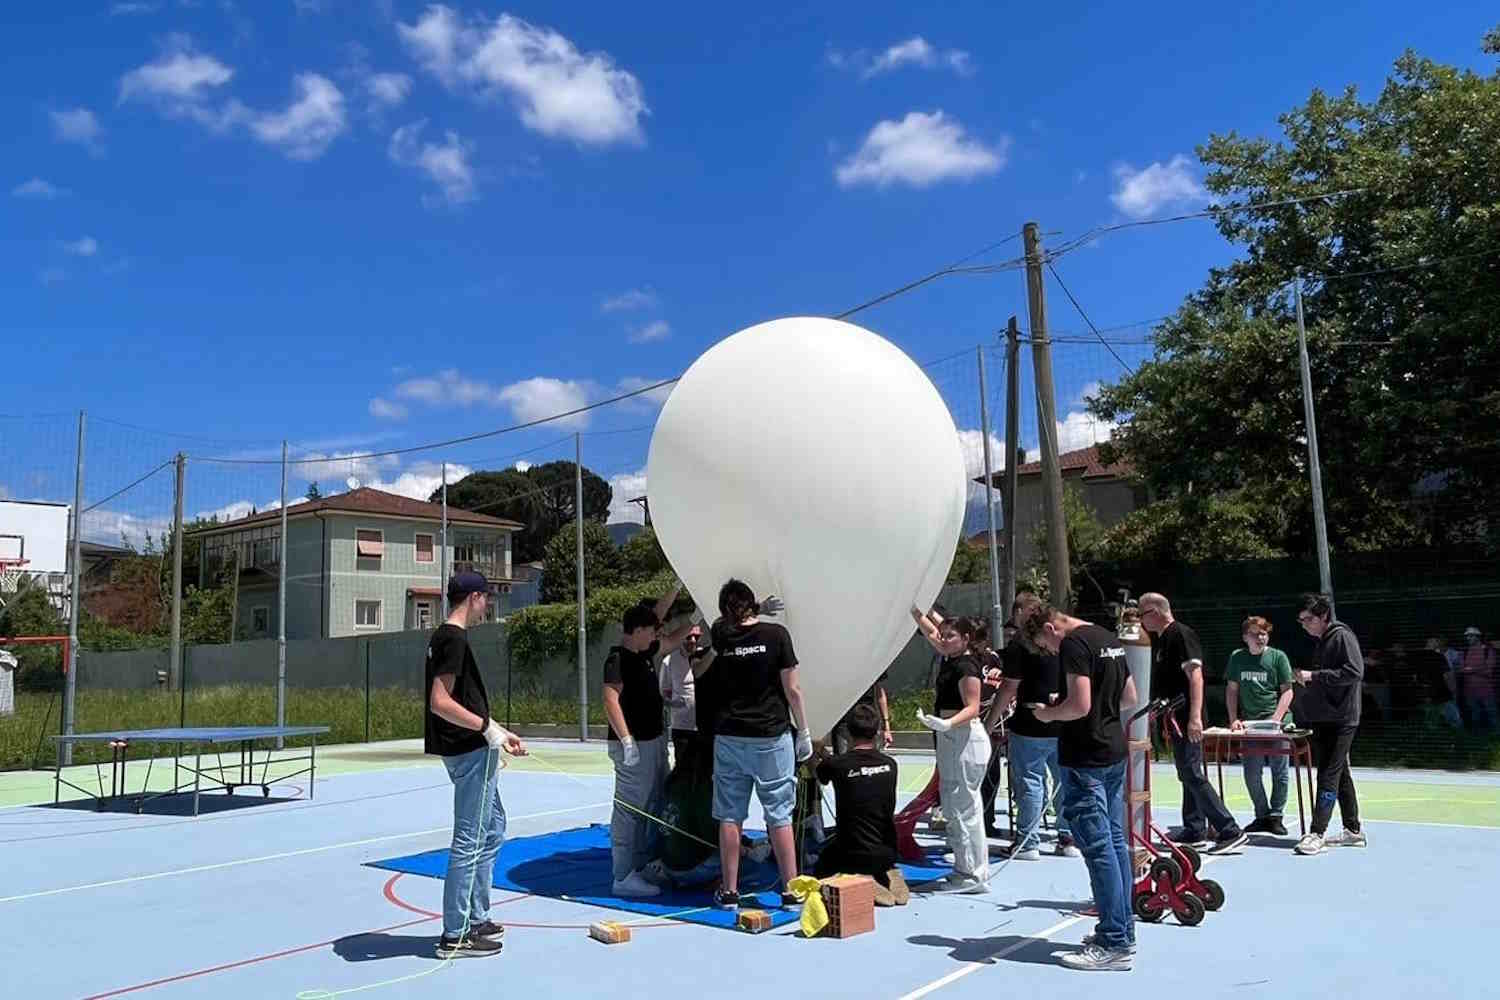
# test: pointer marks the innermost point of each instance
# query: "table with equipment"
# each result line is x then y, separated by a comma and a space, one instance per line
1220, 744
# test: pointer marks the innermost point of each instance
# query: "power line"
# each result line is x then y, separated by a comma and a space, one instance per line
1061, 284
127, 489
1417, 266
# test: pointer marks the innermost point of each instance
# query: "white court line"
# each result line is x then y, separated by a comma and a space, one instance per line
969, 968
275, 857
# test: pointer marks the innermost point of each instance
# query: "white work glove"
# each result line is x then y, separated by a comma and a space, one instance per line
632, 755
934, 723
804, 746
494, 735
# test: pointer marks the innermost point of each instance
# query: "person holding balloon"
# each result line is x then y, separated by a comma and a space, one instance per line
963, 748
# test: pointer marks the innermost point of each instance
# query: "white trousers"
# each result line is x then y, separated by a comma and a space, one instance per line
963, 755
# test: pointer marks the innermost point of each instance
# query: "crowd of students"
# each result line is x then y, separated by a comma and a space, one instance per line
729, 703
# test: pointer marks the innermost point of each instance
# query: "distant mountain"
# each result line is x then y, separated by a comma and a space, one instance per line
623, 531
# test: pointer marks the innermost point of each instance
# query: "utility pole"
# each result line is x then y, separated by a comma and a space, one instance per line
1058, 571
996, 616
443, 561
177, 575
1314, 467
1012, 451
583, 628
75, 600
281, 610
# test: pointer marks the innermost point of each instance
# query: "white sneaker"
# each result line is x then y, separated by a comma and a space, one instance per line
1351, 839
634, 885
1030, 854
967, 885
1096, 959
1311, 844
1092, 938
1067, 849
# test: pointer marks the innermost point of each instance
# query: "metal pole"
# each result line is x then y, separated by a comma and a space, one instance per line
443, 563
1059, 572
75, 602
583, 628
176, 664
996, 616
1314, 467
281, 610
1012, 453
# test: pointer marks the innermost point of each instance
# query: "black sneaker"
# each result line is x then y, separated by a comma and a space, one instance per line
726, 899
469, 946
1229, 842
1259, 825
1274, 825
488, 929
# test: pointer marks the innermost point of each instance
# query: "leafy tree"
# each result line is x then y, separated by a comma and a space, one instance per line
206, 614
1402, 287
29, 611
1085, 538
641, 558
601, 562
313, 493
971, 564
541, 498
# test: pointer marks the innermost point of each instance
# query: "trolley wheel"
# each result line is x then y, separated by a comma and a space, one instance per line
1147, 908
1190, 912
1213, 894
1194, 858
1166, 870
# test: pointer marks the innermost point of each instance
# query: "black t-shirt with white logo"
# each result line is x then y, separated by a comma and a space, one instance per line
448, 652
950, 697
864, 798
749, 661
1040, 680
1097, 739
640, 696
1171, 651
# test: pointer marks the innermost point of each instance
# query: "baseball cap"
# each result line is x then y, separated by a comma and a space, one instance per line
1472, 632
463, 584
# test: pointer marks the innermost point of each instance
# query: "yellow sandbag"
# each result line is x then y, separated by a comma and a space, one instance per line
814, 913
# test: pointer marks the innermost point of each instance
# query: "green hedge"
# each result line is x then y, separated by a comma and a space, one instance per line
550, 631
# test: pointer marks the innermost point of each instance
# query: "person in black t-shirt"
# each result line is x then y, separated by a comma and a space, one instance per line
1092, 750
1177, 669
637, 741
864, 798
756, 699
875, 697
1032, 678
963, 748
458, 728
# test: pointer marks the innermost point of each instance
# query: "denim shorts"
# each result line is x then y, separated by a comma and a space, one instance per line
766, 763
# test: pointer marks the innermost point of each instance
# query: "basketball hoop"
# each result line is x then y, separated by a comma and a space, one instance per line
10, 575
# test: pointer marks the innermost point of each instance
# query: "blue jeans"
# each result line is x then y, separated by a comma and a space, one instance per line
1094, 800
767, 764
1253, 764
1032, 758
478, 832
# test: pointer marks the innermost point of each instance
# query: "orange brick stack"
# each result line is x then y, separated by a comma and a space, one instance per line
753, 921
609, 932
850, 901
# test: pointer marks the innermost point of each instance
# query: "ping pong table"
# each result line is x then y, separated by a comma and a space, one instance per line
190, 747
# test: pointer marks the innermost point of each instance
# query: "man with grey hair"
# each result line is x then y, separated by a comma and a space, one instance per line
1177, 669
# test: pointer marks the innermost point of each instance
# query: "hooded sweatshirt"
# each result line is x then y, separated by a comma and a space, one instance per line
1337, 686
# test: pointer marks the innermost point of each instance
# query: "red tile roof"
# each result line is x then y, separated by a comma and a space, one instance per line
367, 501
1085, 459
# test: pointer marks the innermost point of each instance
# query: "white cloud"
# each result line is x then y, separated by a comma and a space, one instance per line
109, 526
309, 124
446, 164
635, 298
1085, 395
86, 246
919, 150
540, 398
627, 486
420, 481
77, 125
655, 330
522, 465
337, 467
387, 410
971, 443
388, 90
36, 188
447, 388
558, 90
179, 77
918, 51
126, 9
1139, 193
1078, 429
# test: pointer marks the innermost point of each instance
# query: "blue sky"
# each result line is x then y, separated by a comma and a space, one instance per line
368, 225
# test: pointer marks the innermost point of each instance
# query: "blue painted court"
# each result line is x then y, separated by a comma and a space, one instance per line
279, 897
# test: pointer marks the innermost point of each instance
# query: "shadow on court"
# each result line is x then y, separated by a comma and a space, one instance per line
374, 947
173, 805
1032, 951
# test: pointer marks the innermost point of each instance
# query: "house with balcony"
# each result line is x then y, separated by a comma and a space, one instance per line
357, 562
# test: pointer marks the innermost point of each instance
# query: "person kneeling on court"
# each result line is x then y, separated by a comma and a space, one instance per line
637, 741
459, 729
864, 799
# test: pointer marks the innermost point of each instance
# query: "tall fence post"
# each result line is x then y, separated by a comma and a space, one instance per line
989, 502
75, 603
1059, 570
1314, 466
583, 628
281, 610
176, 648
1012, 453
443, 566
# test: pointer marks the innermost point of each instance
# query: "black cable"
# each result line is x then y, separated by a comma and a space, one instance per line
1086, 319
127, 489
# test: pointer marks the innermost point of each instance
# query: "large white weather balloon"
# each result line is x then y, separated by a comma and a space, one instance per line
815, 461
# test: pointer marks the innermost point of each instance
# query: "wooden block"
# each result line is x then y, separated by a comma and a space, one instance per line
753, 921
609, 932
850, 901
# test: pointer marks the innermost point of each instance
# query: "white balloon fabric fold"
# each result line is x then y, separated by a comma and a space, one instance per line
815, 461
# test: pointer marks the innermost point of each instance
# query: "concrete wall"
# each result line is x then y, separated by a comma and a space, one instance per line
1111, 501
